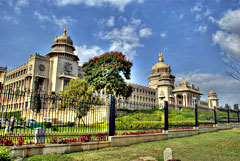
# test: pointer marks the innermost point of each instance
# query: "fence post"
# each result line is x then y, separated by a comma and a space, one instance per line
196, 115
1, 103
228, 115
111, 114
166, 116
238, 116
215, 116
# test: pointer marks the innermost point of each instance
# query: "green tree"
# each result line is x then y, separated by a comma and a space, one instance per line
235, 106
37, 100
76, 89
108, 71
227, 106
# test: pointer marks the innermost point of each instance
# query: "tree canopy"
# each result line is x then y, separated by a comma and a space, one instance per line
235, 106
78, 87
227, 106
108, 71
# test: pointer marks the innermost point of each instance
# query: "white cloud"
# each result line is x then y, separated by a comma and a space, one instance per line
60, 22
212, 19
11, 19
110, 21
135, 22
230, 43
41, 17
18, 5
228, 38
126, 33
145, 32
197, 8
225, 87
163, 34
85, 52
181, 16
120, 4
207, 12
201, 28
230, 21
127, 38
198, 17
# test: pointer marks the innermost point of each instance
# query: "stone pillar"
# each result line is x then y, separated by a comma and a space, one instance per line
39, 136
184, 99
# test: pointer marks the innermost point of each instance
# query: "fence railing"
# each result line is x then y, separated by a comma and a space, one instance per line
93, 119
77, 118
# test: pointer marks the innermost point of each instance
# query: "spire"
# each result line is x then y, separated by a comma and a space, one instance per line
160, 57
65, 30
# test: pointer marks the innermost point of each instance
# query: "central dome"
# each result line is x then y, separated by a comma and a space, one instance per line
161, 67
63, 38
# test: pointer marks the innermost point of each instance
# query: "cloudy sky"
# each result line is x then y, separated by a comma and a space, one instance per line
197, 38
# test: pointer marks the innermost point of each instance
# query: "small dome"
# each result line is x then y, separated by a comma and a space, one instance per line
211, 92
63, 38
161, 67
183, 82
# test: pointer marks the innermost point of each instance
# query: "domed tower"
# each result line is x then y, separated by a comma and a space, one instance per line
63, 45
162, 80
212, 99
63, 62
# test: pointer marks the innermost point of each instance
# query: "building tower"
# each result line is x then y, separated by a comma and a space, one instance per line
162, 80
63, 63
212, 99
3, 72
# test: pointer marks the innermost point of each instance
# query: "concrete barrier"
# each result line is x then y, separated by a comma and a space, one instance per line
181, 133
31, 150
133, 139
206, 129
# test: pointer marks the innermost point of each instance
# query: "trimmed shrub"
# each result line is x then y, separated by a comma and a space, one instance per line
4, 154
139, 125
70, 124
47, 125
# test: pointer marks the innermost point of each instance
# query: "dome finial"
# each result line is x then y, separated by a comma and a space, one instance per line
65, 30
160, 57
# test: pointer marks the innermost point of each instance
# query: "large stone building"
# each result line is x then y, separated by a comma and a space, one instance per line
162, 87
55, 69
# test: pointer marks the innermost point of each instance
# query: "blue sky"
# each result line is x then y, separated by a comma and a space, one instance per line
197, 38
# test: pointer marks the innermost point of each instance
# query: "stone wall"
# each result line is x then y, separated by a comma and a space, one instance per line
133, 139
31, 150
181, 133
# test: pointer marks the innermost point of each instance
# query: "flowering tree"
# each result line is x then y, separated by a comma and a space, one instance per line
108, 71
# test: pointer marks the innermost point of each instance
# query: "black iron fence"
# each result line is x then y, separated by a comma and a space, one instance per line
65, 117
149, 116
71, 118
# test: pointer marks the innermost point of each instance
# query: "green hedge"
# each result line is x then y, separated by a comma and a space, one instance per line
153, 124
8, 115
139, 125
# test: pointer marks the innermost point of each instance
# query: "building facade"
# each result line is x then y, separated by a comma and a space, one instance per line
55, 69
162, 85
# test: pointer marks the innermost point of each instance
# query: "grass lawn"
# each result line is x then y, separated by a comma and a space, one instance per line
215, 146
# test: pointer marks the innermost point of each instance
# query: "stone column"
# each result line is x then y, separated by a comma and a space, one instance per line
184, 99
